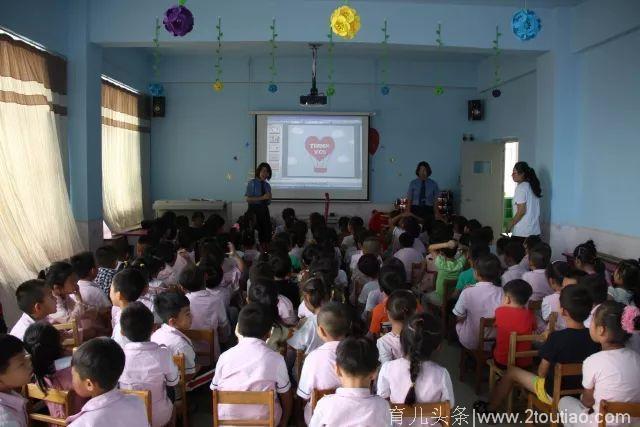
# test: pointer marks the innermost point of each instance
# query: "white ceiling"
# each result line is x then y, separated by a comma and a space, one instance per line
507, 3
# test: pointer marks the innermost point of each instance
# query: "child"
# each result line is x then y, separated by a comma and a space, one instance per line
127, 286
343, 228
173, 309
107, 260
249, 246
151, 265
513, 254
319, 368
586, 259
315, 295
391, 279
147, 365
50, 368
570, 345
513, 316
15, 372
85, 268
64, 283
410, 257
501, 245
281, 266
448, 266
298, 240
611, 374
167, 253
529, 243
626, 281
353, 404
401, 305
459, 223
36, 301
288, 219
348, 243
539, 257
467, 277
96, 367
555, 274
252, 366
479, 300
369, 268
597, 287
264, 292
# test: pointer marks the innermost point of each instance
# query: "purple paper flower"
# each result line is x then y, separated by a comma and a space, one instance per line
178, 20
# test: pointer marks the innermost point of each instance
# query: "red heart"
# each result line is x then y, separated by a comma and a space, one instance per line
319, 149
374, 141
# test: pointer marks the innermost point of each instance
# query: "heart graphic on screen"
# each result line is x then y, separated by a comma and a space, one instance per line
319, 148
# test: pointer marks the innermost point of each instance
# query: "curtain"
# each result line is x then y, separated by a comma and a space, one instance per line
125, 126
36, 223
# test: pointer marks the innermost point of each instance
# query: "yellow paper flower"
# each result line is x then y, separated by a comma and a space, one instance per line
345, 22
355, 25
348, 13
340, 26
218, 86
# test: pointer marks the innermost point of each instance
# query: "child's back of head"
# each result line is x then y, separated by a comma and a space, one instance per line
265, 292
130, 283
459, 223
369, 265
406, 240
166, 251
261, 270
627, 275
576, 302
556, 272
357, 357
371, 245
518, 291
530, 242
472, 225
213, 273
619, 322
309, 254
501, 245
513, 252
34, 298
192, 278
391, 280
356, 223
596, 286
540, 256
255, 321
106, 257
42, 342
280, 264
401, 305
488, 269
100, 360
586, 255
136, 322
315, 291
476, 251
338, 320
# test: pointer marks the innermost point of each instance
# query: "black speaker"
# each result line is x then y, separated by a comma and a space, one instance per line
157, 106
475, 110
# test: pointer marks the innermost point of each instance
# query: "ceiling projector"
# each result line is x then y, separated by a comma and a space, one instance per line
314, 99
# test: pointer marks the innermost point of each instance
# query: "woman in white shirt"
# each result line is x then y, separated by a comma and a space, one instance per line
526, 202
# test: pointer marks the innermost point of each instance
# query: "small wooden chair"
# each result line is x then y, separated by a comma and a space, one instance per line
266, 398
60, 397
560, 370
207, 354
181, 405
70, 329
552, 322
145, 396
479, 353
435, 412
317, 394
630, 408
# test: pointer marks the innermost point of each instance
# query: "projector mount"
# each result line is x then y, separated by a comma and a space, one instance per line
314, 98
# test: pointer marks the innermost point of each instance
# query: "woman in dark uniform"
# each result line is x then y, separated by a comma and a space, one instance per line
423, 194
258, 196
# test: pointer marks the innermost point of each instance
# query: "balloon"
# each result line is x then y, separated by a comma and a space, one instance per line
374, 141
319, 148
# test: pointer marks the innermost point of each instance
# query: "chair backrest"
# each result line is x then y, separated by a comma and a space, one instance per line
145, 395
553, 321
317, 394
178, 359
266, 398
564, 370
202, 335
60, 397
630, 408
514, 339
436, 412
72, 329
483, 335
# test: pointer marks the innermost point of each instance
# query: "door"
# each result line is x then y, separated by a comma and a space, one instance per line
482, 183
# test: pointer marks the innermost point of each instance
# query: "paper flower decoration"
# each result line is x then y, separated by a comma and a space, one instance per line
525, 24
331, 90
156, 89
385, 90
178, 20
496, 93
218, 86
345, 22
439, 90
273, 88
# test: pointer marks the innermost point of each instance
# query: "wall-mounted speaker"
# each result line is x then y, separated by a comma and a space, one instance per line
158, 106
475, 110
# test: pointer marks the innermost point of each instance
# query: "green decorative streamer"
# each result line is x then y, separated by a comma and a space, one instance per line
385, 59
496, 56
182, 2
156, 49
331, 88
218, 65
439, 90
272, 67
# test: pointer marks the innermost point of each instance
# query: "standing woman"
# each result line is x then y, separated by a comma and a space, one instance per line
423, 193
258, 196
526, 202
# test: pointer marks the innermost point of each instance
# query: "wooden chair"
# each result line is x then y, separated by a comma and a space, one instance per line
317, 394
145, 396
630, 408
435, 412
207, 354
560, 370
181, 404
69, 329
479, 354
553, 321
266, 398
60, 397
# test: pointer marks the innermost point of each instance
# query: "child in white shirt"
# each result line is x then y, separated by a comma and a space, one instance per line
36, 301
539, 258
315, 295
626, 281
410, 257
513, 254
555, 274
369, 268
15, 373
401, 305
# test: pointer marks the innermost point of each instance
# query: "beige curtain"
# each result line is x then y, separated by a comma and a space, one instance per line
36, 223
125, 127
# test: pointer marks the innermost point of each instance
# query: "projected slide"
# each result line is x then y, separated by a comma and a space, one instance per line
311, 155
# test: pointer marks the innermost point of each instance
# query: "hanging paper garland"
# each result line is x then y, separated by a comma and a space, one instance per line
156, 89
439, 90
385, 60
273, 87
496, 72
526, 24
218, 85
345, 21
331, 88
178, 20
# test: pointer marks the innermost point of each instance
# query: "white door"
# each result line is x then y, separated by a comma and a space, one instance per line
482, 183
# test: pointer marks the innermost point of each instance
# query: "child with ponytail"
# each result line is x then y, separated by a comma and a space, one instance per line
414, 378
401, 305
586, 259
315, 294
611, 374
626, 281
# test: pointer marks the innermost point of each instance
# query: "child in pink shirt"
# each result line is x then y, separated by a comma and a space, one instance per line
597, 287
539, 258
127, 286
147, 365
15, 373
84, 266
96, 367
353, 405
410, 257
513, 254
64, 283
36, 301
401, 305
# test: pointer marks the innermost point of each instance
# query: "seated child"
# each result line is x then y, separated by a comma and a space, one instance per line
555, 274
15, 373
369, 268
250, 254
611, 374
298, 241
448, 267
353, 405
513, 316
570, 345
64, 283
410, 257
281, 266
586, 259
127, 286
252, 366
597, 287
315, 295
348, 244
392, 278
401, 305
343, 228
319, 369
288, 219
501, 245
166, 251
174, 310
467, 277
539, 258
529, 243
479, 300
50, 367
513, 254
626, 281
458, 226
36, 301
84, 267
96, 367
148, 366
370, 246
107, 260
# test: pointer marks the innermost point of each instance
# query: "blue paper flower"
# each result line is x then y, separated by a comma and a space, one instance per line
385, 90
496, 93
156, 89
525, 24
273, 88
